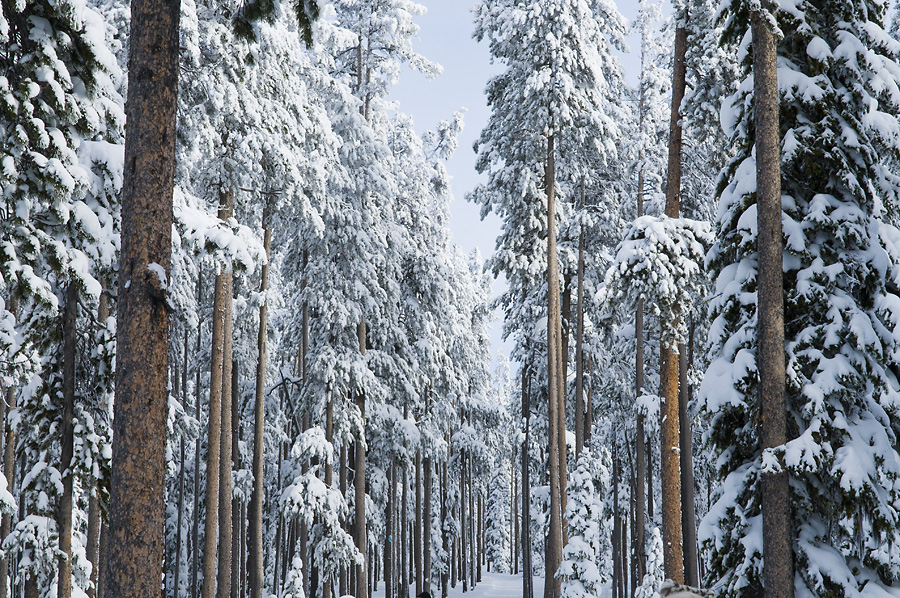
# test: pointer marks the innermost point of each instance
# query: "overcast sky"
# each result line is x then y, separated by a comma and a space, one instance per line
445, 37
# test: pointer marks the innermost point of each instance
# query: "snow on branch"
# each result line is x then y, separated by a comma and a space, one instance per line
660, 262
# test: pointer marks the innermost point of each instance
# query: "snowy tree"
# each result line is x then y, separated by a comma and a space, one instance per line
840, 314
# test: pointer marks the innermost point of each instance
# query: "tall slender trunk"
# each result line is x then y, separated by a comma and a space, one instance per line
525, 538
579, 341
640, 434
342, 481
404, 539
360, 479
445, 540
556, 434
778, 575
236, 530
463, 524
329, 476
255, 535
176, 563
426, 516
136, 540
673, 556
616, 534
589, 405
417, 528
64, 516
9, 461
388, 538
688, 517
221, 295
195, 531
223, 581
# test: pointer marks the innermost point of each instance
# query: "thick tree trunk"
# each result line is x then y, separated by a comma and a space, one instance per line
360, 480
255, 535
668, 374
223, 581
137, 489
67, 439
556, 433
688, 517
778, 574
525, 538
221, 297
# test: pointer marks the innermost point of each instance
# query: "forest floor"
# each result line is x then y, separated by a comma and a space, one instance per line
493, 585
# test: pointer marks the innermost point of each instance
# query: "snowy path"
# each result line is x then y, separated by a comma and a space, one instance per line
493, 585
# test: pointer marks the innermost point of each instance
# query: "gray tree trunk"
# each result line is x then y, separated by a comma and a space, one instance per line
67, 438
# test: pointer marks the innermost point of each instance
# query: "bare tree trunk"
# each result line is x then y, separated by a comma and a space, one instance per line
9, 461
525, 538
463, 525
388, 537
579, 342
94, 514
426, 548
255, 539
360, 480
342, 484
404, 552
445, 540
589, 406
137, 487
329, 476
195, 531
556, 434
236, 531
64, 516
417, 529
223, 581
688, 517
616, 535
778, 575
221, 297
668, 371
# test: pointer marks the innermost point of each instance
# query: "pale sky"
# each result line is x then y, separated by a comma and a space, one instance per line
445, 37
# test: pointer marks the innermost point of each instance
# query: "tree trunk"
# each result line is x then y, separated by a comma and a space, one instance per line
426, 516
137, 489
94, 514
404, 552
235, 503
67, 438
778, 575
525, 538
589, 406
195, 531
223, 581
176, 385
640, 435
445, 540
389, 540
616, 548
463, 524
214, 443
417, 528
688, 517
556, 434
360, 480
579, 342
668, 370
255, 539
9, 462
342, 481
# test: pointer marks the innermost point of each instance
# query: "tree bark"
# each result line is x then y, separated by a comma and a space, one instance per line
255, 535
616, 534
360, 480
778, 574
669, 429
463, 522
137, 491
223, 582
556, 434
9, 462
214, 443
236, 530
417, 528
426, 516
640, 435
67, 439
195, 531
688, 517
525, 537
445, 540
579, 342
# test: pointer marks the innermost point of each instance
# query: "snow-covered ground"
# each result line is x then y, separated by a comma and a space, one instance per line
493, 585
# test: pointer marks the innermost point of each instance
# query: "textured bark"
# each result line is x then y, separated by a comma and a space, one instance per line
579, 342
688, 517
255, 535
94, 514
525, 537
223, 571
137, 490
222, 292
668, 372
556, 434
778, 573
67, 439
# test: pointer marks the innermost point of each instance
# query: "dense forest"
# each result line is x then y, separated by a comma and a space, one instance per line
240, 355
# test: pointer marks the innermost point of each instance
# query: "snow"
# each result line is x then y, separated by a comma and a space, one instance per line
492, 585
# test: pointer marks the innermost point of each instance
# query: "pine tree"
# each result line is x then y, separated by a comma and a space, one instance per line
837, 114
